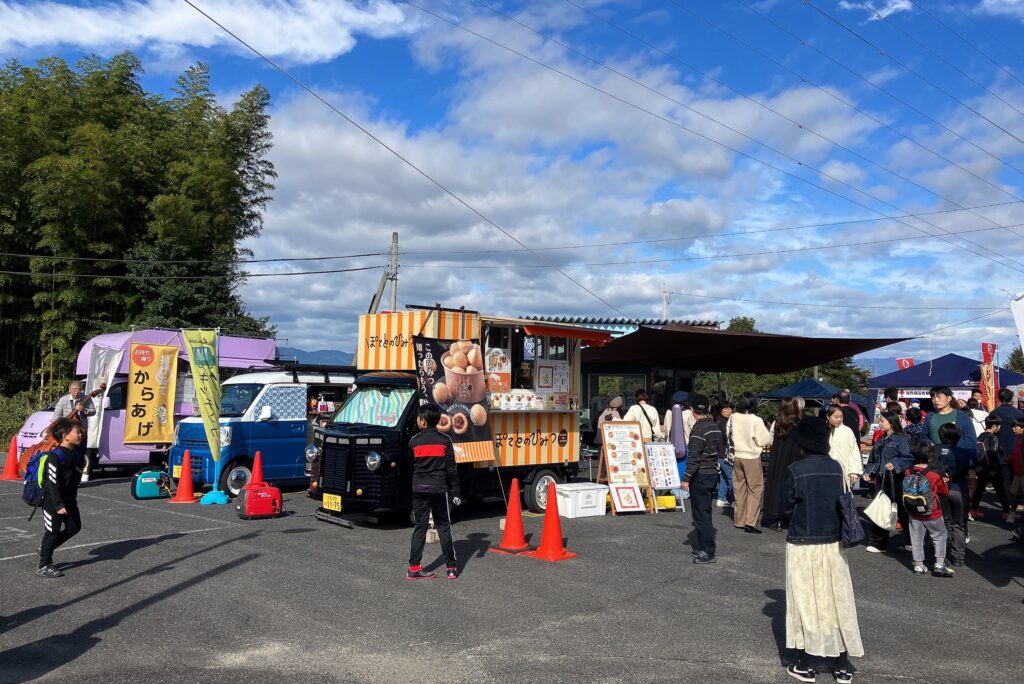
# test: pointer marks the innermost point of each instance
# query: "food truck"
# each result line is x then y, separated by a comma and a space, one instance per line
508, 390
235, 353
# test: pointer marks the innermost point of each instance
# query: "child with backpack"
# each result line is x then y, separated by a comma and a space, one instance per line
922, 492
990, 459
956, 461
51, 482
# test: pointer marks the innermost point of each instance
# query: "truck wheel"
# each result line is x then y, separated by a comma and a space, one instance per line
235, 476
537, 491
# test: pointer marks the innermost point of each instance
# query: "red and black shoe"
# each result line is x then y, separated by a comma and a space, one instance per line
418, 573
453, 573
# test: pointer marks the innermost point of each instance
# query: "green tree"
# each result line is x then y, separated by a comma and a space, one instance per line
1015, 361
95, 171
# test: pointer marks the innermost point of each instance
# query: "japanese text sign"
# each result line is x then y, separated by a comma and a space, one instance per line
202, 357
152, 375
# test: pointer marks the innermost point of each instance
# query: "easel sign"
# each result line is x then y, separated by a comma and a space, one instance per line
623, 461
661, 460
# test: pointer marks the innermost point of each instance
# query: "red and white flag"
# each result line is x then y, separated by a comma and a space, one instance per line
903, 364
988, 352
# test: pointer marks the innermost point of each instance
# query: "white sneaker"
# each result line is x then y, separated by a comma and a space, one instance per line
721, 504
85, 477
872, 549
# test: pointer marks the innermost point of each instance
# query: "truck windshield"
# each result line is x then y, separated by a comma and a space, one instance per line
373, 405
235, 399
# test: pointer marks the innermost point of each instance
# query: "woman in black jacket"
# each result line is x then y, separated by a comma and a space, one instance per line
784, 453
821, 613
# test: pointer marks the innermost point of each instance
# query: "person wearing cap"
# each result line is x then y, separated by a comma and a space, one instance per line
613, 411
700, 478
821, 612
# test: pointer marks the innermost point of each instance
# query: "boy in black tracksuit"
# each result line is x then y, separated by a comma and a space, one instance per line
60, 472
434, 475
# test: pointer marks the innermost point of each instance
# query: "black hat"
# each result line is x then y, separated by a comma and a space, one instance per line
699, 403
812, 434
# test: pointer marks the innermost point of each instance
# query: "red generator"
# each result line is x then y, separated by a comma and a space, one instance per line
259, 501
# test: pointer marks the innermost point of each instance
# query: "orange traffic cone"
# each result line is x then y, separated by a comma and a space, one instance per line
257, 470
185, 495
551, 548
513, 541
11, 464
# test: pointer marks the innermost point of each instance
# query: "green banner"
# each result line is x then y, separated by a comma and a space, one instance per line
202, 357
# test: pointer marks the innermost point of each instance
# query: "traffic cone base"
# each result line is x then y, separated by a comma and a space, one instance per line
185, 495
11, 465
513, 541
551, 547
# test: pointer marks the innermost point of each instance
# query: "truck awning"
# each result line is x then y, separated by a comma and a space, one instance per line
593, 337
704, 349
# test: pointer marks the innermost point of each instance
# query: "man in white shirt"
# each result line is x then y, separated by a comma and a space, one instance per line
647, 416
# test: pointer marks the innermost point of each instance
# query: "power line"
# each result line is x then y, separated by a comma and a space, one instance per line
964, 40
769, 108
987, 33
54, 257
404, 160
733, 149
707, 257
189, 277
911, 70
803, 79
831, 306
969, 320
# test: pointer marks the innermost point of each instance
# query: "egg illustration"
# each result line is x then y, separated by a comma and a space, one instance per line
478, 414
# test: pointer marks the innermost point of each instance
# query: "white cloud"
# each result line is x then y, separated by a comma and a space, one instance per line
835, 171
876, 11
299, 30
1013, 8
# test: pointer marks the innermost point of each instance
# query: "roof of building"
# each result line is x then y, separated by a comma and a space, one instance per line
650, 322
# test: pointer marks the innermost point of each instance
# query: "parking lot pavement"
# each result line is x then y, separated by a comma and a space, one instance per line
158, 592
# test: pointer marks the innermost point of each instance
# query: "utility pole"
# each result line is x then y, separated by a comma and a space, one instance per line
664, 302
394, 271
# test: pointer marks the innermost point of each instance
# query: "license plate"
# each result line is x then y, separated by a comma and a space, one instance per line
332, 502
176, 473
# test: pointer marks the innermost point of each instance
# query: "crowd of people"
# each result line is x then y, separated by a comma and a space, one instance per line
933, 466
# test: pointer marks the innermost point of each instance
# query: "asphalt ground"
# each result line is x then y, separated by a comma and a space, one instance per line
158, 592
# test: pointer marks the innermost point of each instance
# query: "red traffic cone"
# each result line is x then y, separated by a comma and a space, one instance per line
257, 470
513, 541
551, 548
185, 495
11, 464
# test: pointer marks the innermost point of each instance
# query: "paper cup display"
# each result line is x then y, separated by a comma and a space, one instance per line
464, 372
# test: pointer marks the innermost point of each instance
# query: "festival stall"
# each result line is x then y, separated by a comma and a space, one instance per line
959, 373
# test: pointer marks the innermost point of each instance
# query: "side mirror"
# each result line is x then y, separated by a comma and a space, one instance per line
266, 413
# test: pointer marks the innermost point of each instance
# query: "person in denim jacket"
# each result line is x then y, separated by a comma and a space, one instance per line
889, 460
821, 613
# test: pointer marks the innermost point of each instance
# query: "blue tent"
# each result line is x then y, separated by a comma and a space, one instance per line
816, 391
951, 370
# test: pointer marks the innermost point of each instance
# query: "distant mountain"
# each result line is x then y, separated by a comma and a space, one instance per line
878, 365
324, 357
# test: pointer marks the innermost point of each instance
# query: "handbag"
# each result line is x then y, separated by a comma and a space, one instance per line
730, 449
882, 511
851, 528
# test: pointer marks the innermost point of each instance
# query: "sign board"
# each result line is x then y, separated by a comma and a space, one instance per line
661, 461
385, 339
624, 453
152, 375
202, 358
627, 498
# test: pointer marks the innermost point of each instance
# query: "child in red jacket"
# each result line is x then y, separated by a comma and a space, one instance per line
922, 489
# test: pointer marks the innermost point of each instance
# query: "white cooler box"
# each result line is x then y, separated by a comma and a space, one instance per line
581, 499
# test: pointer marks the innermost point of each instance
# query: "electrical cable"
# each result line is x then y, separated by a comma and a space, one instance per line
831, 306
1019, 265
798, 124
404, 160
988, 33
911, 70
969, 320
55, 257
190, 277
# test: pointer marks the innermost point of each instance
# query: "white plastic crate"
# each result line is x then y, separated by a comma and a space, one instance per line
581, 499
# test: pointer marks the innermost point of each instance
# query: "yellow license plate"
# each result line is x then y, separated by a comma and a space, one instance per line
332, 502
176, 473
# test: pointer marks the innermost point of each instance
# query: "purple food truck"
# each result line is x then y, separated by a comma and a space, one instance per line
237, 354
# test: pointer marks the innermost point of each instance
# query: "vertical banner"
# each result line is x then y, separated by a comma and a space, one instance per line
202, 358
103, 365
989, 386
450, 374
988, 352
152, 374
903, 364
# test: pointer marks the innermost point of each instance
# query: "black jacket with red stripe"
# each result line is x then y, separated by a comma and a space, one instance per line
433, 463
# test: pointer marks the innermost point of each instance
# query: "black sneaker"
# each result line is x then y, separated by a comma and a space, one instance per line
694, 554
49, 572
842, 675
453, 573
958, 562
702, 558
419, 575
802, 673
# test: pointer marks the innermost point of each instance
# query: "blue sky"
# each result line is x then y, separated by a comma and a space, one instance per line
794, 135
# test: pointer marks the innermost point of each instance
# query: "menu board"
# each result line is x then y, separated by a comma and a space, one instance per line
624, 453
661, 460
499, 370
560, 379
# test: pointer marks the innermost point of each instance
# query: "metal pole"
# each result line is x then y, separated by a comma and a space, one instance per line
664, 302
394, 271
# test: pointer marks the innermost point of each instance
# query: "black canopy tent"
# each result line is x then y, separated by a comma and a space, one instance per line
704, 349
818, 393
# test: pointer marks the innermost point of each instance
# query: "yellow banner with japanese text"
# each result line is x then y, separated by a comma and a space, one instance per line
152, 379
202, 357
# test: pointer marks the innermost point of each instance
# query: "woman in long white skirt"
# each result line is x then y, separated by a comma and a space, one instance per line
821, 614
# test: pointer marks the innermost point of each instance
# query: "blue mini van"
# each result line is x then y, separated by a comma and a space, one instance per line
267, 411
